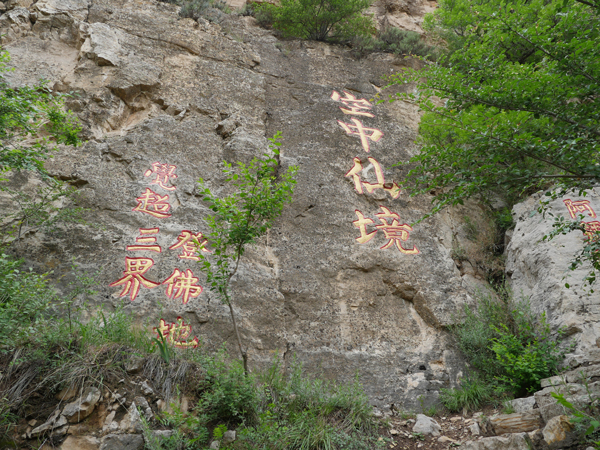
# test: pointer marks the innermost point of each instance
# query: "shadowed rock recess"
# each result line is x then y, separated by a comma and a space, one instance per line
150, 87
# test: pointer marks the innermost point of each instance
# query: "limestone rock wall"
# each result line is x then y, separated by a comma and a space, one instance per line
149, 88
539, 271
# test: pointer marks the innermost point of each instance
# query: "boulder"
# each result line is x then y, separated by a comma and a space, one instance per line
521, 405
559, 432
474, 429
427, 426
123, 442
517, 441
81, 408
228, 437
575, 393
517, 422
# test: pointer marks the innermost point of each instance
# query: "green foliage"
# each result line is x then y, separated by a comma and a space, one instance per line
520, 83
527, 358
26, 115
239, 219
163, 348
195, 9
507, 346
296, 412
47, 208
586, 419
272, 410
320, 20
25, 298
472, 394
227, 393
393, 40
190, 431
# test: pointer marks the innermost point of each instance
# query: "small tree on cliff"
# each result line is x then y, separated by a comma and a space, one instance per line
241, 218
321, 20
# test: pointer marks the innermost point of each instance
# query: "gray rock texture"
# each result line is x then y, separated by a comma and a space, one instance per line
122, 442
539, 270
152, 87
517, 422
521, 405
518, 441
427, 426
82, 407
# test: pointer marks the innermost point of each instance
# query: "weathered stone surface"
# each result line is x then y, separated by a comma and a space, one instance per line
517, 422
158, 93
521, 405
427, 426
14, 24
54, 423
474, 429
537, 271
102, 44
82, 407
403, 14
131, 422
142, 403
228, 436
517, 441
80, 443
559, 432
134, 364
122, 442
577, 394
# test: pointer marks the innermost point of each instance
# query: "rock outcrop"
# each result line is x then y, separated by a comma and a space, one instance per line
150, 87
539, 270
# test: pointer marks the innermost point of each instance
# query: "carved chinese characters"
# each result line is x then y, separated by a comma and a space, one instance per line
133, 278
581, 207
181, 284
176, 333
390, 225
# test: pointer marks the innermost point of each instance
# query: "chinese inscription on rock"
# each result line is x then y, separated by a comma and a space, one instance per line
390, 225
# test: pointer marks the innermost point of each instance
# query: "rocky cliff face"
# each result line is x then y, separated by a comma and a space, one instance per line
539, 271
164, 101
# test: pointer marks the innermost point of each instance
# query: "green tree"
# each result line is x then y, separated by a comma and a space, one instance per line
321, 20
239, 219
32, 123
521, 109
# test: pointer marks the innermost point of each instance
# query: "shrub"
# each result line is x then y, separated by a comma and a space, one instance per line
195, 9
507, 347
393, 40
321, 20
25, 299
472, 393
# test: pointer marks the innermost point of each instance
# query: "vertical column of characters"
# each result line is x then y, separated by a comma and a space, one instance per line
181, 283
393, 230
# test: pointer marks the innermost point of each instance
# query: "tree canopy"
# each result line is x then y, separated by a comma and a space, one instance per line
321, 20
520, 108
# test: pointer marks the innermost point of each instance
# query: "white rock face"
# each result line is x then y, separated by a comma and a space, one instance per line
427, 426
539, 270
